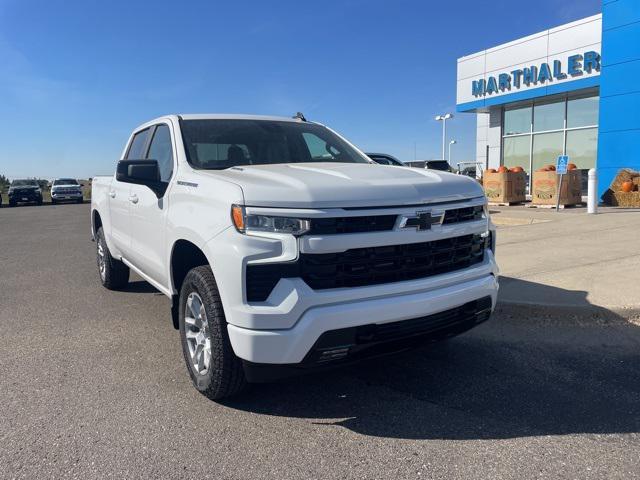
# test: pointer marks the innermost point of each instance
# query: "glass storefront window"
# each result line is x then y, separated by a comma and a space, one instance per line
582, 147
570, 127
546, 149
582, 112
517, 120
516, 151
548, 116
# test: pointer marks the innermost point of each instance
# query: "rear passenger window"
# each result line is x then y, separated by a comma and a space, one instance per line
161, 150
136, 150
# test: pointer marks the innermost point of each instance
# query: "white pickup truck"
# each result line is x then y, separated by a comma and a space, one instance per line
285, 249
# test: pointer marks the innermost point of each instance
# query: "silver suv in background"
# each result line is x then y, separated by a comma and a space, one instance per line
65, 190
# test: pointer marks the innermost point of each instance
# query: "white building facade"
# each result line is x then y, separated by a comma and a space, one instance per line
536, 97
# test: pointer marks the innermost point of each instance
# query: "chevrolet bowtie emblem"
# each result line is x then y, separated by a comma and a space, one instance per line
421, 220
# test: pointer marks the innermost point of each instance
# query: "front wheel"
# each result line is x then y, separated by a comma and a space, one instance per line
114, 274
214, 369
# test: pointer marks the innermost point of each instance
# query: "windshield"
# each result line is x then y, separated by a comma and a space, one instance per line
24, 183
220, 144
65, 181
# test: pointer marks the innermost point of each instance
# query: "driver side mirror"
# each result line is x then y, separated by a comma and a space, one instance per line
141, 172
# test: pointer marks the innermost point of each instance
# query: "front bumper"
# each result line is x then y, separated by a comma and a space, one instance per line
66, 196
291, 346
347, 345
25, 196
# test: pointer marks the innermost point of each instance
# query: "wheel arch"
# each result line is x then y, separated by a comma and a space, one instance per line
96, 222
185, 255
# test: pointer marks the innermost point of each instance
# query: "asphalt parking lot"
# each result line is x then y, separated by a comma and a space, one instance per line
94, 386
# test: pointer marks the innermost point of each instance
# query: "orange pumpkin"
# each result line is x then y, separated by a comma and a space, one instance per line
503, 169
572, 166
550, 168
491, 170
517, 169
627, 186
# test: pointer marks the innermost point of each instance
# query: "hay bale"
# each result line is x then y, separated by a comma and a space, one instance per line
624, 175
627, 199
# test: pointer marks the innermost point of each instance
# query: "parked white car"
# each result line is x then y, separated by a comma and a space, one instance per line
283, 248
65, 190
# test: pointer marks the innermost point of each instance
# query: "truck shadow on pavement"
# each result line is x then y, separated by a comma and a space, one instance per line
526, 372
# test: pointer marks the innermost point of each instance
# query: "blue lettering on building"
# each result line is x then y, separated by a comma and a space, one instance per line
504, 82
545, 73
557, 70
534, 74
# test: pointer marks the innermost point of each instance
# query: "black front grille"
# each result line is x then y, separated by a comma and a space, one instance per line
465, 214
335, 225
369, 266
24, 193
383, 223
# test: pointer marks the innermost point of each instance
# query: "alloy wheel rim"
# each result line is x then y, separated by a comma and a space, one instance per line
197, 334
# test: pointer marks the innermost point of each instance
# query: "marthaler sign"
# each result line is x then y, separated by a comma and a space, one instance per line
576, 66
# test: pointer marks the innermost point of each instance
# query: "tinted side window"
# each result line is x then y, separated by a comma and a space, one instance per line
162, 151
136, 149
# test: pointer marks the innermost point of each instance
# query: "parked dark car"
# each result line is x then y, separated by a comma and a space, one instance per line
24, 191
441, 165
385, 159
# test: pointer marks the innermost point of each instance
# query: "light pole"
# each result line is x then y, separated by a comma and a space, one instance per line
452, 142
443, 119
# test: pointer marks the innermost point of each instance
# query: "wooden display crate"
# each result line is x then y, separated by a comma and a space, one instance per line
544, 188
505, 188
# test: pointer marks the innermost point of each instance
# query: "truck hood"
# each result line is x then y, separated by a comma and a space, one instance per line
338, 185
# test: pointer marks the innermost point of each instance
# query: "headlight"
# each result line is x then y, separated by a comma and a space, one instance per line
266, 223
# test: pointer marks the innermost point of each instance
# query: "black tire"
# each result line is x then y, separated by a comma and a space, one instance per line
80, 200
53, 202
39, 201
12, 204
116, 273
225, 375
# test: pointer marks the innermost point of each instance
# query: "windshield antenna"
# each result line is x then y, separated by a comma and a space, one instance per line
300, 116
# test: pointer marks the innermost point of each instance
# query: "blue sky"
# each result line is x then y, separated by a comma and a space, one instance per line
77, 75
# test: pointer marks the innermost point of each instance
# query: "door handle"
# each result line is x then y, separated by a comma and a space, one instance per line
133, 198
112, 194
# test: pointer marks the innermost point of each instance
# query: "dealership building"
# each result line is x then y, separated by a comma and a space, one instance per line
573, 89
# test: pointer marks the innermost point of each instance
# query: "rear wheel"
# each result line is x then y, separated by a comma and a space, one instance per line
12, 203
213, 367
114, 274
